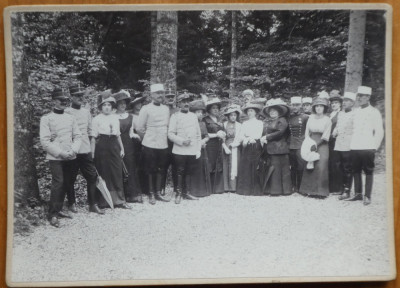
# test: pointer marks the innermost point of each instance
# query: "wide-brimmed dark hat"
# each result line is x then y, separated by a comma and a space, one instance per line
197, 105
59, 93
277, 104
106, 96
335, 96
76, 90
137, 98
184, 95
122, 95
250, 105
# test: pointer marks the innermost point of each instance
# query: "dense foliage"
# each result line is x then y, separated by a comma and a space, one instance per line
279, 54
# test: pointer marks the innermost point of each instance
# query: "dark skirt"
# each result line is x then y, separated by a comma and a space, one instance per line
335, 170
248, 177
108, 163
316, 182
214, 153
279, 182
132, 187
229, 184
200, 178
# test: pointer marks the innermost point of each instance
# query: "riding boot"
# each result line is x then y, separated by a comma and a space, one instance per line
298, 180
187, 193
357, 188
152, 199
159, 184
369, 179
178, 195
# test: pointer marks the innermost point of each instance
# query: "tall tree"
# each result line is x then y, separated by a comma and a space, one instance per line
233, 55
25, 174
355, 52
165, 49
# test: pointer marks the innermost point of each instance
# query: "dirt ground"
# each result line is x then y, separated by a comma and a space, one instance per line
224, 235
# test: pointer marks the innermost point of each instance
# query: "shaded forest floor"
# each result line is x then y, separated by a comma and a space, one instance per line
225, 235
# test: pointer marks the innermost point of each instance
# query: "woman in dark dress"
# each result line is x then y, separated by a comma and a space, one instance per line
216, 134
315, 182
108, 150
248, 182
276, 147
336, 186
132, 189
200, 178
231, 151
136, 105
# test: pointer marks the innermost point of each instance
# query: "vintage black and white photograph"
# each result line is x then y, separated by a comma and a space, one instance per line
199, 144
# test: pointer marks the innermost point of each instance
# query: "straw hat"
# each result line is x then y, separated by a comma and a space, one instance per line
137, 98
106, 96
254, 106
277, 104
232, 108
122, 95
335, 96
213, 101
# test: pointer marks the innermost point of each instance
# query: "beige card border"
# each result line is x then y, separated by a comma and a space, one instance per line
156, 7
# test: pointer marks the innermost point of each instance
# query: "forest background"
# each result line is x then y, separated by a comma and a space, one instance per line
275, 53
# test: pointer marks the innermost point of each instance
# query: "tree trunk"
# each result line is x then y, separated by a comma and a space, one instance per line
232, 85
164, 49
355, 50
25, 174
153, 47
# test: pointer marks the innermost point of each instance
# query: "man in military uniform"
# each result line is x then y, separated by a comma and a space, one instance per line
170, 102
84, 160
153, 129
297, 127
60, 137
307, 101
184, 133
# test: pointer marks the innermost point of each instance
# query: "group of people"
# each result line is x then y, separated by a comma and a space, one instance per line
315, 147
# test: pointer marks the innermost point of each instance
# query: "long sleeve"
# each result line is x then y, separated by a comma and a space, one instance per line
198, 134
172, 131
143, 115
46, 138
76, 137
378, 129
327, 130
307, 132
94, 128
89, 128
281, 130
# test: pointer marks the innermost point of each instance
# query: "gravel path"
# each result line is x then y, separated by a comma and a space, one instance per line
224, 235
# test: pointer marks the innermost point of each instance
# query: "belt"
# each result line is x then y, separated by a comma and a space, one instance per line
107, 136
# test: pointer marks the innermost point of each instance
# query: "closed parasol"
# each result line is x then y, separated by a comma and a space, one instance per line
101, 185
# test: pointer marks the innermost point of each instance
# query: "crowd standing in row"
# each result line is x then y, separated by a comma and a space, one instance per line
262, 148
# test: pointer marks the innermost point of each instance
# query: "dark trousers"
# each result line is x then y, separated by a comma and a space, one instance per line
154, 165
60, 184
363, 160
297, 165
347, 169
170, 163
85, 163
184, 166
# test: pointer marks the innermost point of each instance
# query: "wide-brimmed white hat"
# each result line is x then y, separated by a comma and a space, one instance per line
364, 90
350, 95
323, 94
254, 106
295, 100
232, 108
248, 91
213, 101
278, 104
307, 100
156, 88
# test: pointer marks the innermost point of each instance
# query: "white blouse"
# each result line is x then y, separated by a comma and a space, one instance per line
319, 125
105, 124
251, 129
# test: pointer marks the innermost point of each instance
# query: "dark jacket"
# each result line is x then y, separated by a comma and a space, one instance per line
276, 132
297, 130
